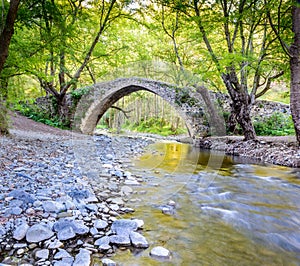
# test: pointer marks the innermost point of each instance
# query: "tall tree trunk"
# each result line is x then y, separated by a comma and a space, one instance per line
5, 37
241, 109
63, 110
240, 106
8, 31
295, 71
241, 102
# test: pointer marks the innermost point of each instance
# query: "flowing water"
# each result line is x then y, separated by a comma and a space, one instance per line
227, 211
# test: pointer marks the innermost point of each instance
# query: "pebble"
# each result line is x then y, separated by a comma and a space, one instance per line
21, 251
126, 190
138, 240
100, 224
108, 262
38, 233
20, 231
83, 258
160, 252
42, 254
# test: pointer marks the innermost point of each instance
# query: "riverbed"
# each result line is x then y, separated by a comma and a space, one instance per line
211, 209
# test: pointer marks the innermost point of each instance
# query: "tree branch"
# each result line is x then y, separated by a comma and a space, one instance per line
284, 46
121, 110
204, 37
104, 20
172, 36
268, 84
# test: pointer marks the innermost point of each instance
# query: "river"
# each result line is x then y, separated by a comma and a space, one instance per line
218, 210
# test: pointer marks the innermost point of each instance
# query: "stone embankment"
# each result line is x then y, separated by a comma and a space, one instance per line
275, 150
61, 198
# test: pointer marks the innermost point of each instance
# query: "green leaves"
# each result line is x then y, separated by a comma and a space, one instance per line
277, 124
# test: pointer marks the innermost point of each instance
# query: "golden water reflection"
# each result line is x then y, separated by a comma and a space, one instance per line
230, 219
182, 158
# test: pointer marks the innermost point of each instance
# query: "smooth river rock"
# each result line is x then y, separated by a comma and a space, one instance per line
53, 206
66, 233
102, 241
37, 233
138, 241
83, 258
20, 231
124, 227
42, 254
108, 262
120, 240
100, 224
160, 252
62, 254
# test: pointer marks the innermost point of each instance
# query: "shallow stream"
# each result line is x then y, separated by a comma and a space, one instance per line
227, 211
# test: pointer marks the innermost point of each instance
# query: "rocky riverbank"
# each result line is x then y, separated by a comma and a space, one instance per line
275, 150
62, 194
61, 197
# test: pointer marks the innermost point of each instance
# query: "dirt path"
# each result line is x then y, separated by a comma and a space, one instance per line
22, 126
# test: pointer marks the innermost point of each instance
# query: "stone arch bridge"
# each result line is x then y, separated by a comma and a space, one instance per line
190, 104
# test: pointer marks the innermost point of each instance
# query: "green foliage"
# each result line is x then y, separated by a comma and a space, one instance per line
77, 94
278, 124
3, 120
155, 126
32, 111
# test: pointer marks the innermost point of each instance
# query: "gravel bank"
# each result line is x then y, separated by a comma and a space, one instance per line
61, 197
276, 150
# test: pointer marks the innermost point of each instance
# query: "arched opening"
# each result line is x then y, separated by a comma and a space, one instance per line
103, 96
142, 111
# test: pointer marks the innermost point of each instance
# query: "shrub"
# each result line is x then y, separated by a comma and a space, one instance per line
156, 126
278, 124
3, 120
32, 111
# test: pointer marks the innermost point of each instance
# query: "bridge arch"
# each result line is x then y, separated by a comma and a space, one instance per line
102, 96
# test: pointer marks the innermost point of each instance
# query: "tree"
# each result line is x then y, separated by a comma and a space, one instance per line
282, 30
236, 36
295, 69
216, 122
62, 42
7, 32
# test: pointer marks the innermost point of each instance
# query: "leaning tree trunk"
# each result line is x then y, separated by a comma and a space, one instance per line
295, 72
215, 120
